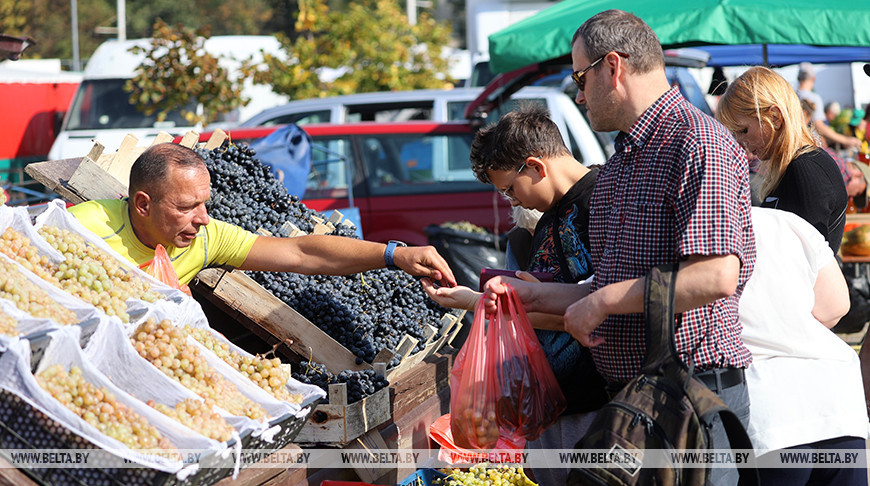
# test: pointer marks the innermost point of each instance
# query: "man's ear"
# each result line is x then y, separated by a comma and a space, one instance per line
141, 203
538, 165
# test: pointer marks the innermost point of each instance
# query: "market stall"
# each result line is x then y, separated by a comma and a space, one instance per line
377, 384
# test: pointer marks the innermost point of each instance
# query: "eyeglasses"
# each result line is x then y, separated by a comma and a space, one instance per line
577, 76
509, 192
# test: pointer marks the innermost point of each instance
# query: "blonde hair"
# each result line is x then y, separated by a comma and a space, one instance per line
753, 95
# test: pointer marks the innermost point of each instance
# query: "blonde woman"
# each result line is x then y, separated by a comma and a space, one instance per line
764, 114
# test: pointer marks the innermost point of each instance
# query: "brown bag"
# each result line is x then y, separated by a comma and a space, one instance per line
665, 408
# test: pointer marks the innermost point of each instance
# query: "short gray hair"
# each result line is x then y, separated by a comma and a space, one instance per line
620, 31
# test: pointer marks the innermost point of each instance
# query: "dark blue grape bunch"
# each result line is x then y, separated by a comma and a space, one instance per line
246, 193
360, 384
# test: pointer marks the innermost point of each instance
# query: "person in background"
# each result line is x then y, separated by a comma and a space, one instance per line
169, 185
805, 385
832, 111
806, 82
808, 109
676, 190
764, 113
524, 156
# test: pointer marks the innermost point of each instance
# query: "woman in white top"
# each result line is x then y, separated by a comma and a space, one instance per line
805, 385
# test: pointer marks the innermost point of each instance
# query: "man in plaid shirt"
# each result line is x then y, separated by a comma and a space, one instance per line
675, 190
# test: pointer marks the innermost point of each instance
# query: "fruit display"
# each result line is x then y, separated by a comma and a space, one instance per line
485, 475
856, 240
244, 192
8, 325
466, 227
165, 346
360, 384
365, 312
100, 408
28, 297
197, 415
268, 374
94, 276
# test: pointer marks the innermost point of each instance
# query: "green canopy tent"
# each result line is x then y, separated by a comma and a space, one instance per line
546, 35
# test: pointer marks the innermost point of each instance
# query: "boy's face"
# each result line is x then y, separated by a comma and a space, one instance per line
521, 187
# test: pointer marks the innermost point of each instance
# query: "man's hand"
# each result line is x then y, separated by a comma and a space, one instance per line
424, 261
458, 297
583, 317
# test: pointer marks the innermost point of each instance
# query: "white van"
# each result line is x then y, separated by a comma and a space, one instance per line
101, 109
439, 106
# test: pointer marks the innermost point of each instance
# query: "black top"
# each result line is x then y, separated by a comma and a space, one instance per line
813, 188
583, 387
571, 215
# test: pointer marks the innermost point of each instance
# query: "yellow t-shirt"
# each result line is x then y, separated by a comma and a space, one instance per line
217, 244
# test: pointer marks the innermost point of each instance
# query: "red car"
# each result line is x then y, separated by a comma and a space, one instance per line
404, 176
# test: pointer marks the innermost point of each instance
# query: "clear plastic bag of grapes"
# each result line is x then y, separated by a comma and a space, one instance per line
529, 397
473, 397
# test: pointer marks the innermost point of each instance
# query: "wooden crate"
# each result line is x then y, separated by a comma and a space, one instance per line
339, 422
248, 302
100, 175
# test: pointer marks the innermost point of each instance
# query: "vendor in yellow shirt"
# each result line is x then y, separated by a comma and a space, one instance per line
169, 185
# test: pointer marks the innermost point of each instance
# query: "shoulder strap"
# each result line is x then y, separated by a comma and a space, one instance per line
661, 350
658, 311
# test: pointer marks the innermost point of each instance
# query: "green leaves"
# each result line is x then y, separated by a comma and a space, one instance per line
178, 70
371, 45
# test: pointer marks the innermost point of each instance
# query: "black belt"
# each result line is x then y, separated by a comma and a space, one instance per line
719, 379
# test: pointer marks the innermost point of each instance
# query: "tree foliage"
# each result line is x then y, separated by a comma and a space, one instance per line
178, 70
48, 21
369, 46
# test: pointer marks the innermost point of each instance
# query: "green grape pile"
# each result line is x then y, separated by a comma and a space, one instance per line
18, 247
8, 325
268, 374
197, 415
100, 408
484, 475
165, 346
95, 276
28, 297
466, 227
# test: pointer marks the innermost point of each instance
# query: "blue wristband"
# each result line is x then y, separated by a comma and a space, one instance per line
388, 254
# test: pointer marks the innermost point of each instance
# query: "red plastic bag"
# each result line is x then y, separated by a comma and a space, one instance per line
473, 392
505, 450
160, 267
529, 397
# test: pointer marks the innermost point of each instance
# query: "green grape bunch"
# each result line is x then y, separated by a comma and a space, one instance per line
198, 415
165, 346
268, 374
100, 408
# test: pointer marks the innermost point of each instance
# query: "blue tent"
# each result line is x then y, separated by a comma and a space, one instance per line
782, 54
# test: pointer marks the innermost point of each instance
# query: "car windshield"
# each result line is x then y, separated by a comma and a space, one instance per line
103, 104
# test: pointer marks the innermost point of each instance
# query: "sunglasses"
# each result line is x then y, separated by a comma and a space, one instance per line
577, 76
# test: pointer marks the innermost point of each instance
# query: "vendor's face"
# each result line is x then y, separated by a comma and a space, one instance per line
751, 136
177, 215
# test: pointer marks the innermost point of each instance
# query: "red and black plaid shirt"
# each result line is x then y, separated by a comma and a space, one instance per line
678, 185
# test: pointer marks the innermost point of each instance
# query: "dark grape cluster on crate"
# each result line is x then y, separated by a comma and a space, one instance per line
360, 384
365, 312
244, 192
